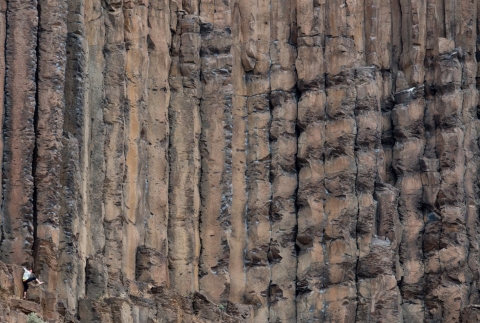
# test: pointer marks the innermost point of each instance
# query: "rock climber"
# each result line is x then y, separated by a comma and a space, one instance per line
28, 276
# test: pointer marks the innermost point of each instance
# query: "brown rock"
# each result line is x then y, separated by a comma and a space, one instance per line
19, 133
240, 161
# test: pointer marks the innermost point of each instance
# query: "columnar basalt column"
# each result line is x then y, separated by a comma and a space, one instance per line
256, 62
19, 133
114, 117
159, 42
135, 136
258, 206
237, 238
184, 154
310, 159
216, 149
93, 151
449, 195
283, 172
343, 51
72, 222
378, 227
51, 53
408, 131
282, 253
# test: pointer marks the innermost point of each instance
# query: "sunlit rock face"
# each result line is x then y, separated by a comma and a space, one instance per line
240, 161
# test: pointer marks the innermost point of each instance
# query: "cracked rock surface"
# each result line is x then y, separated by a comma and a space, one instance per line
270, 161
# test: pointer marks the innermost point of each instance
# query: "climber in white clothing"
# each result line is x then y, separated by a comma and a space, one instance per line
28, 276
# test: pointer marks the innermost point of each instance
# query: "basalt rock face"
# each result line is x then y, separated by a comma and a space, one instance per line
240, 160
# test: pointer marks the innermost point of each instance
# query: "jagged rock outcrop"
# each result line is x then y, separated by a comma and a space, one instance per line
240, 160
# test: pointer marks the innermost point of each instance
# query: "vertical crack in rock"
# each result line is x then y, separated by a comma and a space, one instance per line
35, 245
3, 35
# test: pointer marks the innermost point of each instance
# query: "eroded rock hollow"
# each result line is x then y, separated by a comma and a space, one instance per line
240, 160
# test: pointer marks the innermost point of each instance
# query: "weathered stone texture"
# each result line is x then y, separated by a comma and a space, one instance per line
158, 97
184, 152
19, 132
240, 160
51, 51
